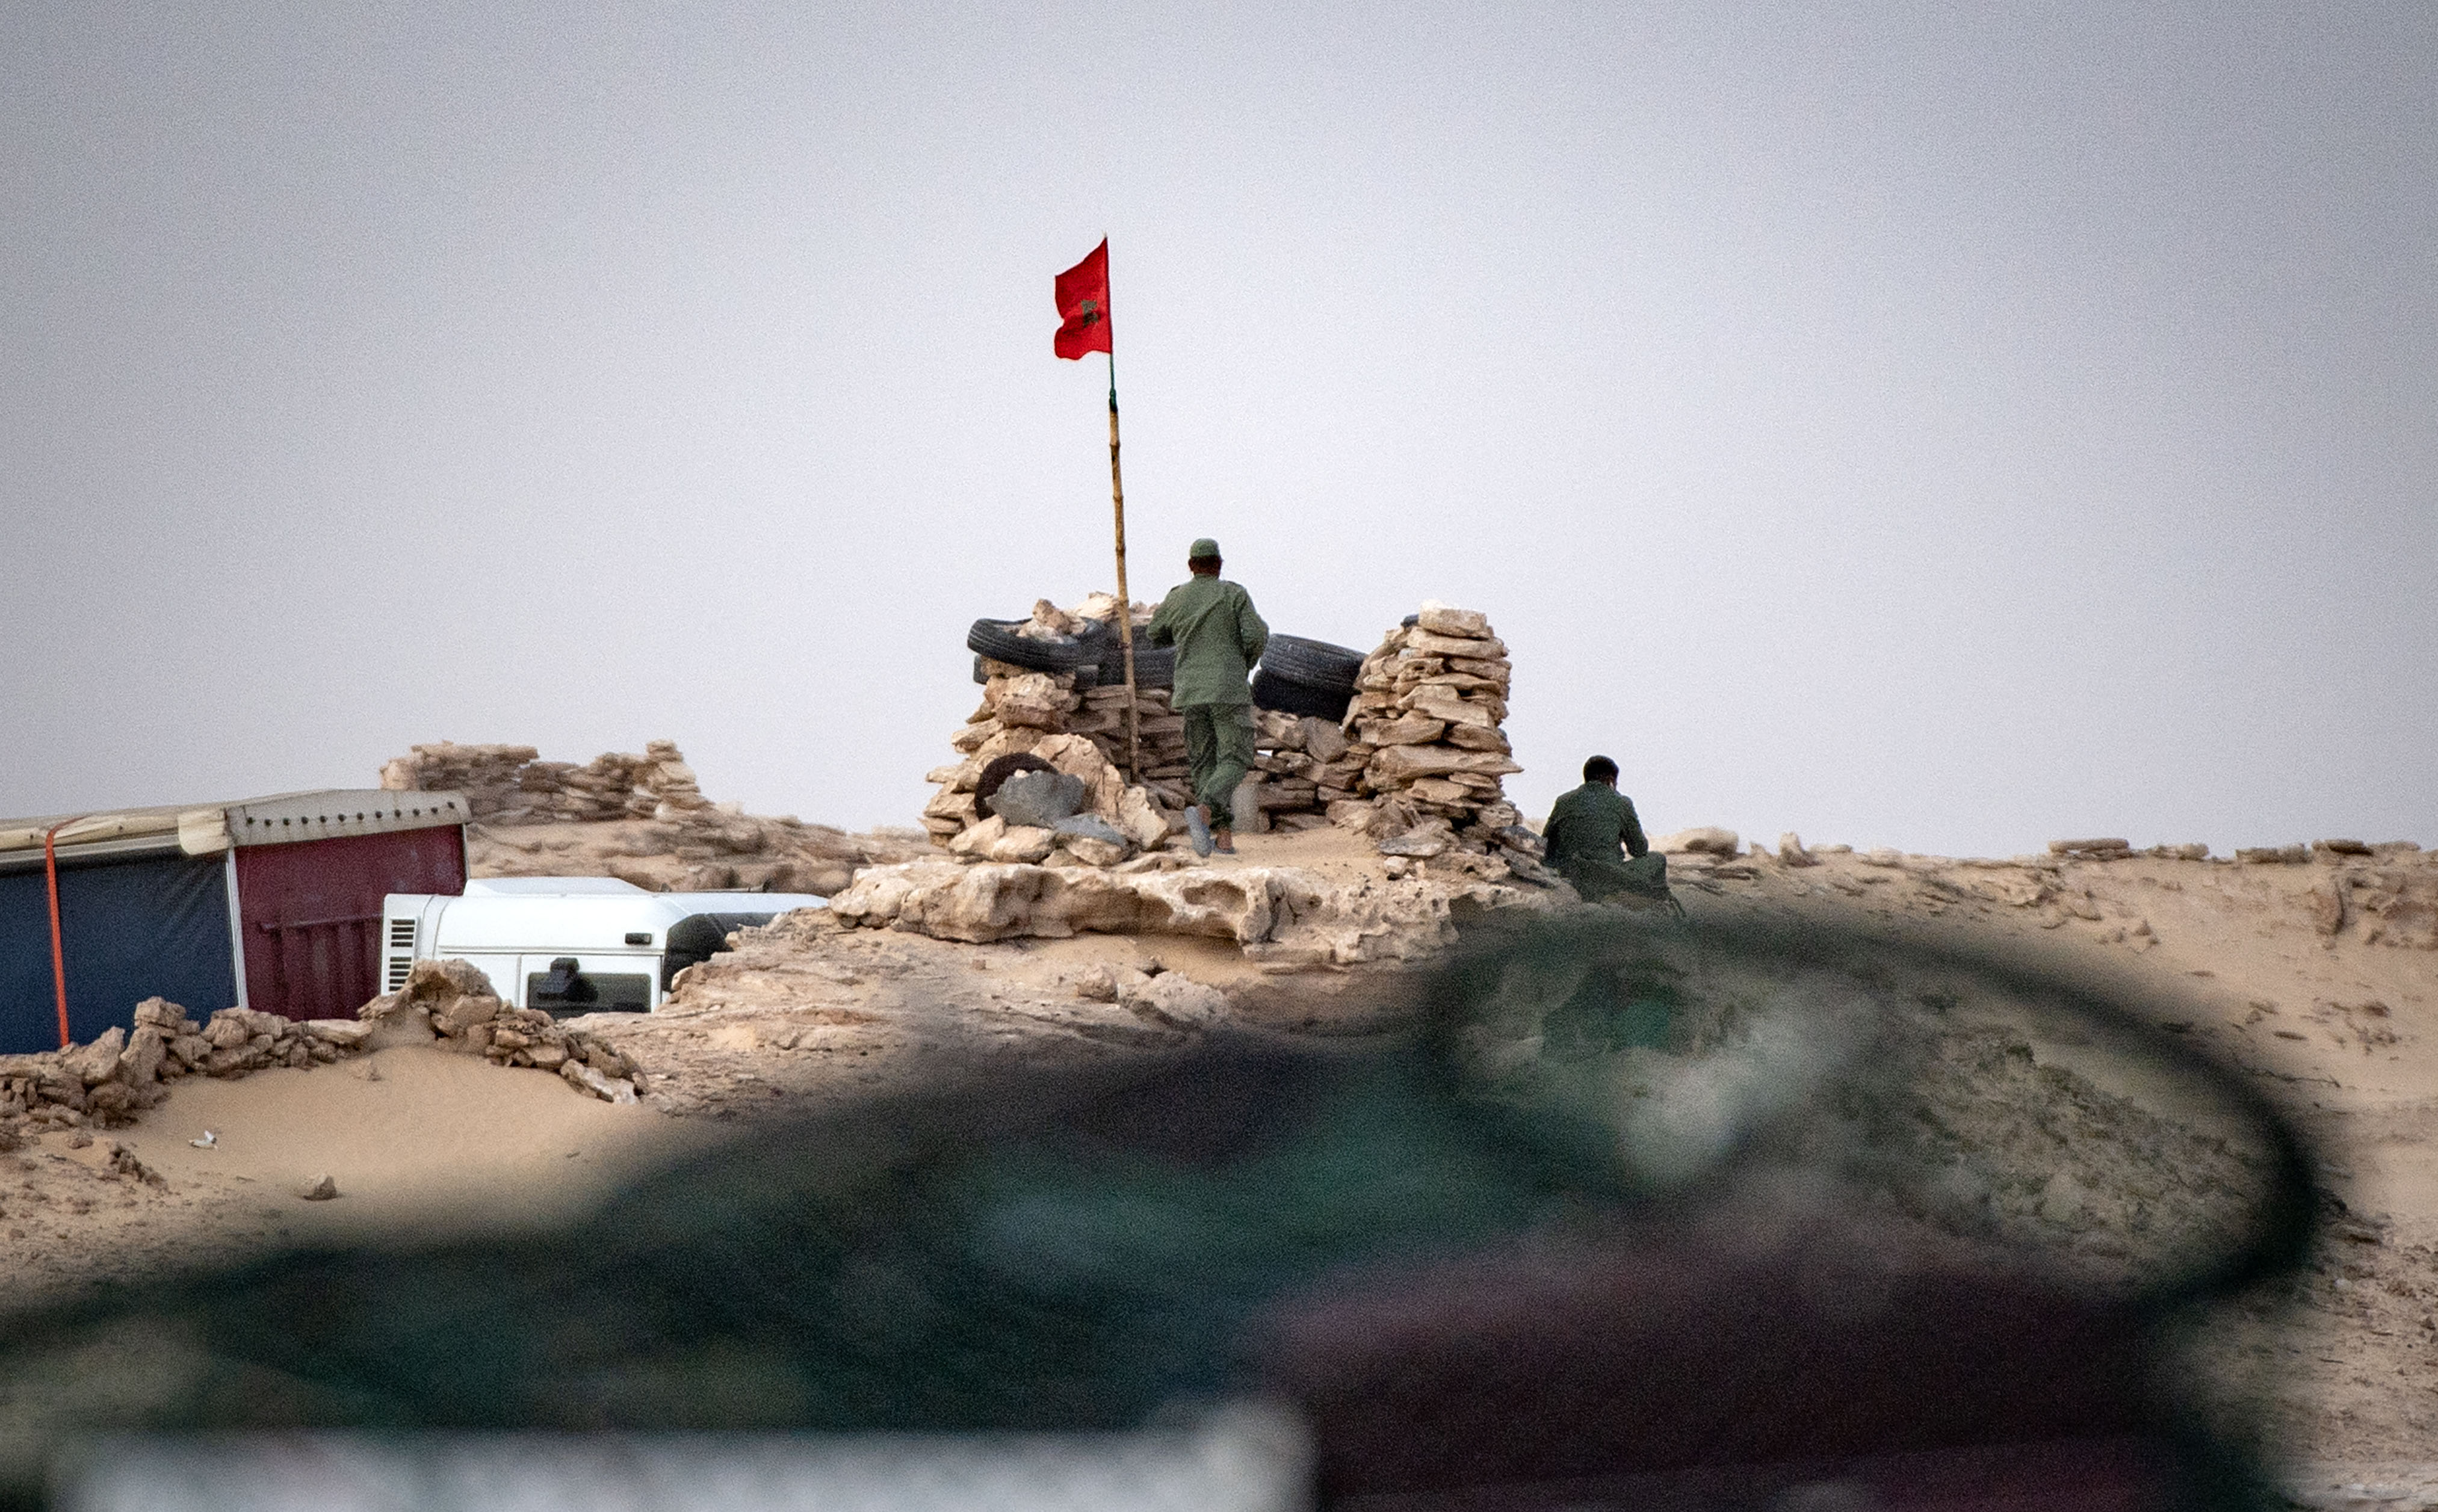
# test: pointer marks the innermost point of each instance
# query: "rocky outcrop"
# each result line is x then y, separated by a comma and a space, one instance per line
1282, 916
1079, 731
640, 819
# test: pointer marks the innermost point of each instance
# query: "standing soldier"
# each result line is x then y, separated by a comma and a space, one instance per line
1218, 637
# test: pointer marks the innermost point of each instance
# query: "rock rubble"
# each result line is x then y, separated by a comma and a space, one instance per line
1283, 917
1079, 732
452, 1003
642, 820
107, 1083
510, 784
1426, 736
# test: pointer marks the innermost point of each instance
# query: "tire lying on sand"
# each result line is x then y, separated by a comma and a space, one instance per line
998, 639
1275, 692
1313, 664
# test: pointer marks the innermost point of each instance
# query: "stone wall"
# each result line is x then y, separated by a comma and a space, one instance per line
1422, 739
1427, 723
509, 784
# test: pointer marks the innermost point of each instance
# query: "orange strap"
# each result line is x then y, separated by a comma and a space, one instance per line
59, 958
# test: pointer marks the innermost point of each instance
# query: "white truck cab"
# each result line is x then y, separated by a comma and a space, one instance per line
571, 945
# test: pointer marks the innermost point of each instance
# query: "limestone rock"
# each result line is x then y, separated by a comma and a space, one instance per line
1176, 1001
1706, 839
95, 1062
1442, 619
162, 1014
1482, 648
318, 1189
139, 1064
996, 840
1478, 737
1322, 740
1039, 799
1430, 838
1438, 702
1407, 730
2274, 855
1791, 851
1140, 818
1033, 700
588, 1079
1397, 766
2104, 850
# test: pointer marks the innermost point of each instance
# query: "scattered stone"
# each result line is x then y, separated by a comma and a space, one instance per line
1429, 838
2274, 855
1174, 1000
590, 1078
318, 1189
1702, 840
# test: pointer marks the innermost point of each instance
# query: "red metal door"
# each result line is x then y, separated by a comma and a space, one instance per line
309, 913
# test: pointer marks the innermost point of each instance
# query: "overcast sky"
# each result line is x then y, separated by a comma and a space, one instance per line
1948, 427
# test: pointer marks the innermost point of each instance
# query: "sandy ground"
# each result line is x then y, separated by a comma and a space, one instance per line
2338, 1025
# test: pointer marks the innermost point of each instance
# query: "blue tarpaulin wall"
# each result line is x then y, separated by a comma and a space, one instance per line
133, 929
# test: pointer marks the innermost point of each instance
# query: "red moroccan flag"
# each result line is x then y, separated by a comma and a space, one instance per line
1083, 306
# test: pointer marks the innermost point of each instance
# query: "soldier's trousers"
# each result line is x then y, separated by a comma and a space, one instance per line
1218, 753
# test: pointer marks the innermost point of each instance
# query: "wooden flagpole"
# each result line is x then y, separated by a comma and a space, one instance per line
1125, 603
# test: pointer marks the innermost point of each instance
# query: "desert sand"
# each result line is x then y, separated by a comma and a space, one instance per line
2332, 1009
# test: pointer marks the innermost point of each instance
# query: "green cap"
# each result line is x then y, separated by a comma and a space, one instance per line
1204, 547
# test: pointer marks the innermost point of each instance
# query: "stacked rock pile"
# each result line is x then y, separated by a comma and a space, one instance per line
507, 785
1427, 723
1306, 765
452, 1003
1081, 731
641, 818
1303, 763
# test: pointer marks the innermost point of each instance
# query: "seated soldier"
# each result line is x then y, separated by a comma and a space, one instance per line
1586, 829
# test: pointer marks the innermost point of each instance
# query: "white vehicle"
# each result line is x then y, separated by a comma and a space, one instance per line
571, 945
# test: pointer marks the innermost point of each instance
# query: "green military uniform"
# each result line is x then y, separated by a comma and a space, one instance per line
1218, 637
1585, 827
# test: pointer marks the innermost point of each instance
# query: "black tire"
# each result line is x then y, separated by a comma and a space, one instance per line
998, 771
1087, 676
1155, 665
1314, 663
1273, 692
998, 639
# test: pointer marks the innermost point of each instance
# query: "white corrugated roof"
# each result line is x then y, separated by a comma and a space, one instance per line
205, 829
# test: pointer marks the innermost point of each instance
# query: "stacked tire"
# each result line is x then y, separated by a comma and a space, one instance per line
1298, 675
996, 641
1097, 657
